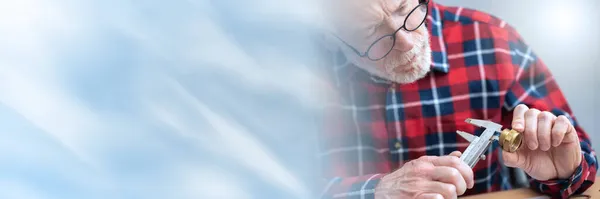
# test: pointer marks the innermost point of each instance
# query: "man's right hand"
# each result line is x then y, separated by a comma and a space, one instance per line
428, 177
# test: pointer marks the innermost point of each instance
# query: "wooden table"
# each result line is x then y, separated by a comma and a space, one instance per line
593, 192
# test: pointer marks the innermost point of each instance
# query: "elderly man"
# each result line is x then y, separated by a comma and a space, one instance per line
405, 74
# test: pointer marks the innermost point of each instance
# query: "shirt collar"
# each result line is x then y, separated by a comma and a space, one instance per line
439, 56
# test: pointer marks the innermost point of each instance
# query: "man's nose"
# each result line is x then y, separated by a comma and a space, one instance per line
404, 41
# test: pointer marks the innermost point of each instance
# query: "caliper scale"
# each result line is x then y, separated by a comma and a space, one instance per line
510, 140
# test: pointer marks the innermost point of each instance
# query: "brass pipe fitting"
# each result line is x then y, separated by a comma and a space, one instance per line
510, 140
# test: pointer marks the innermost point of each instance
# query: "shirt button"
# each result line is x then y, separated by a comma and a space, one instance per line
398, 145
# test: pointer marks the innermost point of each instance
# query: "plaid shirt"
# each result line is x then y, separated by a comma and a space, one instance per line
481, 69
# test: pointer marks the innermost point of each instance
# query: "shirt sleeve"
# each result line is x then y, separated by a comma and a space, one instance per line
535, 87
352, 187
340, 167
339, 172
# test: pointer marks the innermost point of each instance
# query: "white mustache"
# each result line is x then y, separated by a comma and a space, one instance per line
404, 58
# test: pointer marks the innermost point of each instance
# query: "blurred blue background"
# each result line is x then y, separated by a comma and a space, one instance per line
156, 99
198, 98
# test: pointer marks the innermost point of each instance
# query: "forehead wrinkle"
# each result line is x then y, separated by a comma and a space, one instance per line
392, 5
368, 15
381, 10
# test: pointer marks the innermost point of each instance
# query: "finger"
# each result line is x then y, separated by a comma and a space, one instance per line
450, 175
544, 126
531, 128
518, 122
559, 129
430, 196
456, 153
444, 189
455, 162
571, 135
563, 131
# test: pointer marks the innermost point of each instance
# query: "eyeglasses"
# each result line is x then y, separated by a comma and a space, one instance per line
384, 45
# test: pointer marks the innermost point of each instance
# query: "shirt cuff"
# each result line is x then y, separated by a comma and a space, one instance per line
353, 187
564, 187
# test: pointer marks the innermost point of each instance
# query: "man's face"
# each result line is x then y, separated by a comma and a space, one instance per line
359, 23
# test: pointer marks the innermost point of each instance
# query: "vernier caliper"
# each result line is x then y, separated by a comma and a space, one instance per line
510, 140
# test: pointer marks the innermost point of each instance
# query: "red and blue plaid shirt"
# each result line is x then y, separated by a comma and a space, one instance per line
481, 69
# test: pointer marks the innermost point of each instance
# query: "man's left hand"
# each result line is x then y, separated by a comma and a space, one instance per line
550, 147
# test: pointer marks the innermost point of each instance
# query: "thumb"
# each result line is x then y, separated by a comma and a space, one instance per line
513, 159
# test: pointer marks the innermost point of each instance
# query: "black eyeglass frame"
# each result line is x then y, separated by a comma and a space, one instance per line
391, 35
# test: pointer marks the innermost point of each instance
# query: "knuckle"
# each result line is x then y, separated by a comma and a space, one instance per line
454, 174
563, 119
455, 161
407, 165
422, 170
559, 122
532, 112
411, 165
416, 162
522, 106
427, 169
449, 189
421, 165
424, 158
544, 116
